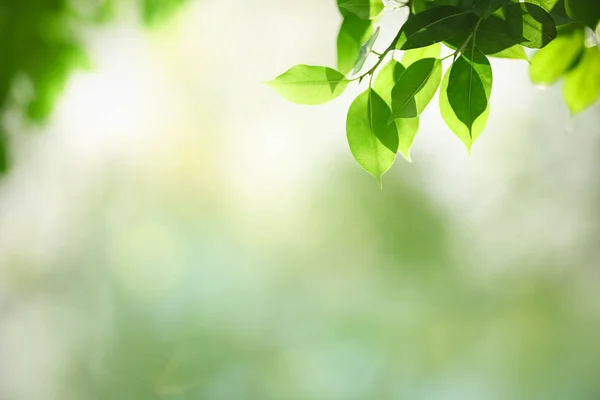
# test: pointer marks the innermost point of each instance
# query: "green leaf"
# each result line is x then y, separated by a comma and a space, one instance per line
530, 25
372, 141
386, 79
407, 131
310, 85
556, 8
365, 9
516, 52
485, 8
411, 56
550, 63
407, 128
469, 87
3, 152
353, 33
582, 84
364, 52
466, 135
432, 26
493, 36
415, 88
586, 11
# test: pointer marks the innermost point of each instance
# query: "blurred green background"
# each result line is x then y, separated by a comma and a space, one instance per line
170, 228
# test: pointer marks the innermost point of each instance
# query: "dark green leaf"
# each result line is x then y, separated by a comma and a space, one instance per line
365, 9
550, 63
364, 52
585, 11
530, 25
466, 135
432, 26
470, 86
485, 8
415, 88
493, 36
582, 84
353, 33
3, 152
372, 141
556, 8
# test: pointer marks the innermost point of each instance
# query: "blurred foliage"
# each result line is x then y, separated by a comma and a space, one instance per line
41, 45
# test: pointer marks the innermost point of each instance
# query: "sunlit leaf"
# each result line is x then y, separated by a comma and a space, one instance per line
365, 9
372, 141
364, 52
582, 84
516, 52
353, 33
415, 88
410, 56
407, 131
432, 26
486, 7
551, 62
530, 24
469, 87
310, 85
556, 8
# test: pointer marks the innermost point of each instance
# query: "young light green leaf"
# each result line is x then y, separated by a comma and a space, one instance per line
432, 26
415, 88
582, 84
407, 131
407, 128
310, 85
372, 141
530, 25
364, 52
365, 9
353, 33
466, 135
470, 86
586, 11
411, 56
550, 63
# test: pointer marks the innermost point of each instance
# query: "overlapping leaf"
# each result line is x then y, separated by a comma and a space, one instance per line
550, 63
364, 52
365, 9
415, 88
530, 25
582, 84
354, 31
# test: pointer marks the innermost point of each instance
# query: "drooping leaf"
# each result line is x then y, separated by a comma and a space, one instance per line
365, 9
466, 135
364, 52
470, 86
411, 56
353, 33
582, 84
407, 128
415, 88
372, 141
432, 26
530, 25
550, 63
310, 85
585, 11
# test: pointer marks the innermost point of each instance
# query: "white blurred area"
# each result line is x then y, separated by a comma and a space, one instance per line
171, 164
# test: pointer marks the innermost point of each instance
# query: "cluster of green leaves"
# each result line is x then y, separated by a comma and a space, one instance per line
40, 46
384, 119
